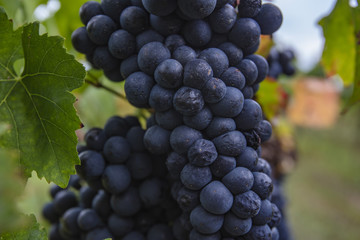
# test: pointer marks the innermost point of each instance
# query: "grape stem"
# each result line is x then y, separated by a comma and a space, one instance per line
100, 85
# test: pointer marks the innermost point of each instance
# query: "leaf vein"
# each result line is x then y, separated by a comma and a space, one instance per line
51, 101
58, 127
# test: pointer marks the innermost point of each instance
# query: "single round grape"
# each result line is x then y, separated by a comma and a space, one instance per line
245, 33
183, 137
99, 28
197, 33
262, 185
115, 126
116, 178
116, 150
194, 177
250, 116
157, 140
151, 55
161, 98
269, 18
223, 19
88, 10
81, 41
169, 74
248, 159
233, 77
216, 198
63, 201
246, 205
205, 222
137, 88
239, 180
202, 153
88, 219
230, 144
122, 44
231, 105
188, 101
196, 73
134, 20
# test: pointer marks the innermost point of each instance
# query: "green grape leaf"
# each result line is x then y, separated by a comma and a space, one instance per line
38, 104
32, 231
269, 97
340, 42
355, 97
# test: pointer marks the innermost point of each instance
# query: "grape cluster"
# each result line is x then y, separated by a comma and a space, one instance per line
193, 63
280, 62
121, 191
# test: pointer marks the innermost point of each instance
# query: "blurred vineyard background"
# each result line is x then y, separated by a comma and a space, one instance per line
322, 187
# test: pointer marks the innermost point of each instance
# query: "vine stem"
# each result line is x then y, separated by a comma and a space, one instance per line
100, 85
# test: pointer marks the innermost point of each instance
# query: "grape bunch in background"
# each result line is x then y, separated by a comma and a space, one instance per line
281, 62
193, 63
127, 193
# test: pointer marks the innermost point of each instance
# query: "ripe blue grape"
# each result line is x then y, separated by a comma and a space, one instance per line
134, 20
269, 18
205, 222
223, 19
202, 153
122, 44
88, 10
245, 33
151, 55
246, 205
238, 175
197, 73
216, 198
197, 33
169, 74
99, 28
194, 177
137, 88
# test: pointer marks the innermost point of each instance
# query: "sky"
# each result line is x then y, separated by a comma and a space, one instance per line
300, 30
